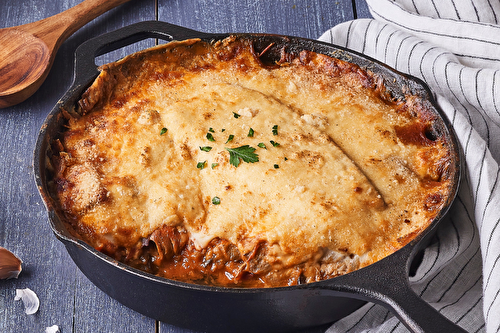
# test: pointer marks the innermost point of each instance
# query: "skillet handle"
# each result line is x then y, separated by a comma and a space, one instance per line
386, 282
85, 54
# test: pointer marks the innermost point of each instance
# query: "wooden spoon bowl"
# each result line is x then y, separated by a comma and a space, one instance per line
22, 64
28, 51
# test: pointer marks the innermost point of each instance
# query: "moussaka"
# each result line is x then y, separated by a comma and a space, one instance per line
212, 162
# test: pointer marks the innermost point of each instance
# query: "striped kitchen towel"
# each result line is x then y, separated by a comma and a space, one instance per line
454, 46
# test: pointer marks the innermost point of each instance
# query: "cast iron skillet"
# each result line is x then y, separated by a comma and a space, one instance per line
218, 309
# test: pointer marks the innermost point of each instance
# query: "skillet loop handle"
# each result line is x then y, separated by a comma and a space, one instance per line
386, 282
85, 67
416, 314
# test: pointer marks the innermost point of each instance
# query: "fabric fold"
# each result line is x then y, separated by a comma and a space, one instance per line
454, 47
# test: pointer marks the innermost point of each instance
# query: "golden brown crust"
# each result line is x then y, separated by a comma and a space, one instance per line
335, 173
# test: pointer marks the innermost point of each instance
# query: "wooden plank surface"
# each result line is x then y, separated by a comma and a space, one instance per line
67, 298
305, 18
361, 8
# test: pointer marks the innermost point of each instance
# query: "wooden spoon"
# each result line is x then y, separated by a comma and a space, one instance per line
28, 51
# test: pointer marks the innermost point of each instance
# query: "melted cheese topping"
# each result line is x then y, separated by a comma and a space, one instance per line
343, 178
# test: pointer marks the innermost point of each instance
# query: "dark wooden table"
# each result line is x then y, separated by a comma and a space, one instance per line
67, 298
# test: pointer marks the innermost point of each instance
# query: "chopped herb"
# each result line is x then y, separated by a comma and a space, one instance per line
201, 165
275, 130
286, 158
236, 115
275, 144
211, 130
250, 132
163, 131
206, 148
276, 166
222, 130
214, 165
245, 153
230, 138
210, 137
262, 145
216, 200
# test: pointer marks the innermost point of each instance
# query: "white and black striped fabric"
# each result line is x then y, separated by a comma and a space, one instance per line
454, 46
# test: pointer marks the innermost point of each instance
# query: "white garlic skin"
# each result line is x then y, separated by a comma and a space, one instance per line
52, 329
30, 300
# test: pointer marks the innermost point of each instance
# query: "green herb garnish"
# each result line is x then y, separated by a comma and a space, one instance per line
201, 165
275, 144
230, 138
250, 132
236, 115
275, 130
211, 130
245, 153
262, 145
214, 165
206, 148
216, 200
163, 131
276, 166
210, 137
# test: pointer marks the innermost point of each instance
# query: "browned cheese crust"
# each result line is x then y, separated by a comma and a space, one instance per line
327, 173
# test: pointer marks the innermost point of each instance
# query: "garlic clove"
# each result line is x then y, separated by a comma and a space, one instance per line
52, 329
10, 265
29, 298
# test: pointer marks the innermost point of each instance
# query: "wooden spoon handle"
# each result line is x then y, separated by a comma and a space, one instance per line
57, 28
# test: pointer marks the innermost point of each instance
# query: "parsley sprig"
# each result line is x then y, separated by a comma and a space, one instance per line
244, 153
210, 137
275, 130
201, 165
